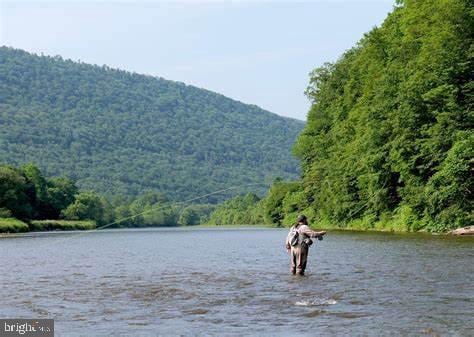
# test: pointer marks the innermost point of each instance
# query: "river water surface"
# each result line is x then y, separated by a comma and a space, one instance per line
234, 282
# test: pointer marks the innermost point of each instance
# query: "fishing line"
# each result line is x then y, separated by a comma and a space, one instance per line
82, 233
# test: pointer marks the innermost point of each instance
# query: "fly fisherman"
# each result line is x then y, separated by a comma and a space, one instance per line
298, 242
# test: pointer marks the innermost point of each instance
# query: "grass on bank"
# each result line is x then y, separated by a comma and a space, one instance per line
64, 225
12, 225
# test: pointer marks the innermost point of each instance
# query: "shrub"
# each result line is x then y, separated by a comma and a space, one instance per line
12, 225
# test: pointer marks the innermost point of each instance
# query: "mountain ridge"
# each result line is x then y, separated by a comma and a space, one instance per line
67, 116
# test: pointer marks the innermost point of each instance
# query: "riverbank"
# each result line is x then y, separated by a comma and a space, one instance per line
465, 231
12, 225
392, 227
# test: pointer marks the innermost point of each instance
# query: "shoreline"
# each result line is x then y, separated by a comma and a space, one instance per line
221, 227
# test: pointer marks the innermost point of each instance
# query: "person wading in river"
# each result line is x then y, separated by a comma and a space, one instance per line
297, 243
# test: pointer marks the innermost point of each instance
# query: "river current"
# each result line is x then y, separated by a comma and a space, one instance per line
236, 281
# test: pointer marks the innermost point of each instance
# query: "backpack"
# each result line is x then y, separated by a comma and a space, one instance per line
293, 236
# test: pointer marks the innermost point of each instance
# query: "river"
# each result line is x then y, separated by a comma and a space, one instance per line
234, 282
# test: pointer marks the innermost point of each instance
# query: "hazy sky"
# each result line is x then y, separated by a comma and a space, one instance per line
258, 52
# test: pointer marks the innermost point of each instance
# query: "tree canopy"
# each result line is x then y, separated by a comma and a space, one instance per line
57, 203
389, 133
26, 194
121, 133
389, 142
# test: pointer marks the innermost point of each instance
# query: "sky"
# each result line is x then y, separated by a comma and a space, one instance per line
257, 52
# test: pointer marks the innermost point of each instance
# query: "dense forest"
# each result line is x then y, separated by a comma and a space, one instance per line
121, 133
30, 201
389, 142
242, 210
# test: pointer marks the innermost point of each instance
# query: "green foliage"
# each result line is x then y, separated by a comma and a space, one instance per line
241, 210
5, 213
120, 133
25, 193
50, 195
65, 225
86, 206
123, 216
12, 225
195, 214
449, 192
15, 192
274, 209
61, 193
27, 189
189, 217
157, 209
388, 143
38, 182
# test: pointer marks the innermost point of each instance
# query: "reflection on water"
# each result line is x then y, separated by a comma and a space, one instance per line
229, 282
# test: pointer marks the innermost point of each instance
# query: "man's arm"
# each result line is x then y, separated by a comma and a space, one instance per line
312, 234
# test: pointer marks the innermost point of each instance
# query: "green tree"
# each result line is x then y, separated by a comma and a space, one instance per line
449, 191
87, 206
15, 193
123, 216
189, 217
195, 214
390, 126
240, 210
273, 203
36, 178
61, 193
153, 209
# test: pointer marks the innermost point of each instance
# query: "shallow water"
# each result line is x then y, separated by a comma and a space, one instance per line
232, 282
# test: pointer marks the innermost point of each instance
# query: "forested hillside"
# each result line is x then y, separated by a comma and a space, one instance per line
389, 142
121, 133
389, 136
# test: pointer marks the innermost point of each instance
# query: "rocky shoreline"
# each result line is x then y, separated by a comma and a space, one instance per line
469, 230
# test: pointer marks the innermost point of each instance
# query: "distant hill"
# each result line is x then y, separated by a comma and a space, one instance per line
122, 133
